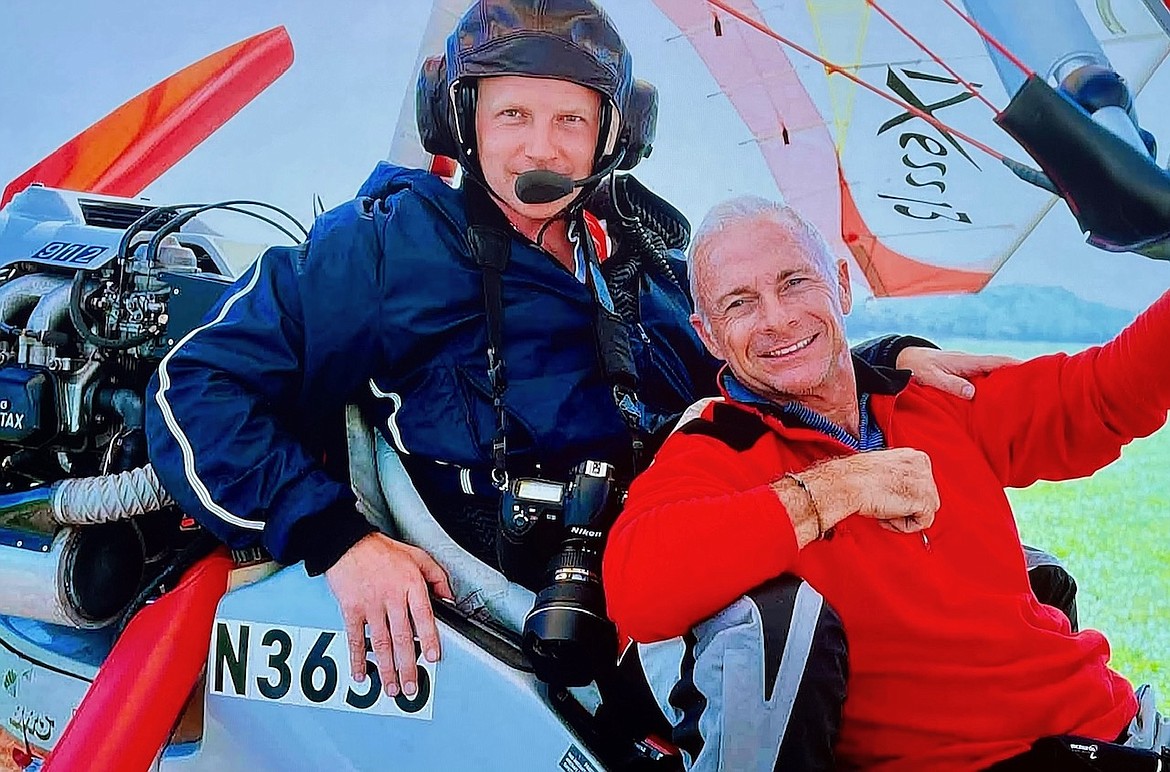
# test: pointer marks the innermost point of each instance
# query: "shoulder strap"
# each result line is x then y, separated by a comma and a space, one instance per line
490, 242
616, 352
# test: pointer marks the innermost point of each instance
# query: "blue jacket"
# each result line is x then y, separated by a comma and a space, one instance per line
384, 305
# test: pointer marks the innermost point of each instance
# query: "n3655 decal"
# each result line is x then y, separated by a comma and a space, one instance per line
305, 666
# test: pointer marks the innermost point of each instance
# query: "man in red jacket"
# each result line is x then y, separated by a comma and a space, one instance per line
885, 496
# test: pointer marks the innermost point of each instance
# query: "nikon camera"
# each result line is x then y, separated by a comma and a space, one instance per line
567, 636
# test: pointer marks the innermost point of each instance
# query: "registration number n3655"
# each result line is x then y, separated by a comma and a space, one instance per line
305, 666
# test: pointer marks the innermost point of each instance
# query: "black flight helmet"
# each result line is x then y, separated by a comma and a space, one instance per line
571, 40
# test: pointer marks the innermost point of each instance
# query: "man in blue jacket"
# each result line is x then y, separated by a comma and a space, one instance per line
388, 304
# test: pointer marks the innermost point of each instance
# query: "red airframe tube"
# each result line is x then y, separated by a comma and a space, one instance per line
133, 704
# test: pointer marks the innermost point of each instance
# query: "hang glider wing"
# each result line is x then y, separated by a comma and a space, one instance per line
406, 148
918, 208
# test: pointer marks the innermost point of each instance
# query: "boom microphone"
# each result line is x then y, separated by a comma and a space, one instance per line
541, 186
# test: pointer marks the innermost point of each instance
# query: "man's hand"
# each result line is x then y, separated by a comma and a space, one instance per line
949, 370
382, 584
895, 487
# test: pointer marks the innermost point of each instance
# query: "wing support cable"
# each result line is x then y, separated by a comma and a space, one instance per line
1000, 47
937, 59
837, 69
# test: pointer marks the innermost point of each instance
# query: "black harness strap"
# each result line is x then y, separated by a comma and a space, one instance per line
490, 242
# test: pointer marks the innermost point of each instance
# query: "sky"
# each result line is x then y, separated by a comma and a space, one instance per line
320, 129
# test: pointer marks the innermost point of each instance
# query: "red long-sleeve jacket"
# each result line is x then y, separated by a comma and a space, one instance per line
954, 664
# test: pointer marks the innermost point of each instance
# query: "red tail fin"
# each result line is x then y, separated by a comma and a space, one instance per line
131, 707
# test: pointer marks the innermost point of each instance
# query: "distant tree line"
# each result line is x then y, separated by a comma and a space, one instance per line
1015, 312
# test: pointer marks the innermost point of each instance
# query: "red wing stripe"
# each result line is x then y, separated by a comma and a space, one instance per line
131, 147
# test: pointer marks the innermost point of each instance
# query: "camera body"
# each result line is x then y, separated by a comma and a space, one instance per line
567, 635
530, 529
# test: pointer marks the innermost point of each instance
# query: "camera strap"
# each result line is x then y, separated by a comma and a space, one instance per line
615, 352
489, 238
490, 241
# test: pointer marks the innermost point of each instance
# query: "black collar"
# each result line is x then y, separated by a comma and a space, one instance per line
875, 379
870, 379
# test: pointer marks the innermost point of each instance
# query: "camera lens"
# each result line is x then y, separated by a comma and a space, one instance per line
567, 636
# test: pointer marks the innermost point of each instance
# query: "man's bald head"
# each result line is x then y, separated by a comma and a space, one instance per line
748, 212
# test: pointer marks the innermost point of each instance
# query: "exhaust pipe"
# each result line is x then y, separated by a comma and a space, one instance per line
83, 577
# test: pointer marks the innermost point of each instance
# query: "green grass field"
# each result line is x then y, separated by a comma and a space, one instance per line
1113, 532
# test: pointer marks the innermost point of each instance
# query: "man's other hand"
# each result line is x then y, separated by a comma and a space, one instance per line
949, 370
383, 584
895, 487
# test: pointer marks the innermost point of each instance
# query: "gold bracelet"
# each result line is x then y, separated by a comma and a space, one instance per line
812, 503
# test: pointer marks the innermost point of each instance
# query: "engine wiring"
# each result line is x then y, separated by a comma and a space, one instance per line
180, 215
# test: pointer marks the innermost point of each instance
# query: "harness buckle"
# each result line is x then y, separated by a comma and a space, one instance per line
630, 406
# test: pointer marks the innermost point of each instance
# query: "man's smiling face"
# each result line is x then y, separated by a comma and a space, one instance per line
775, 307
